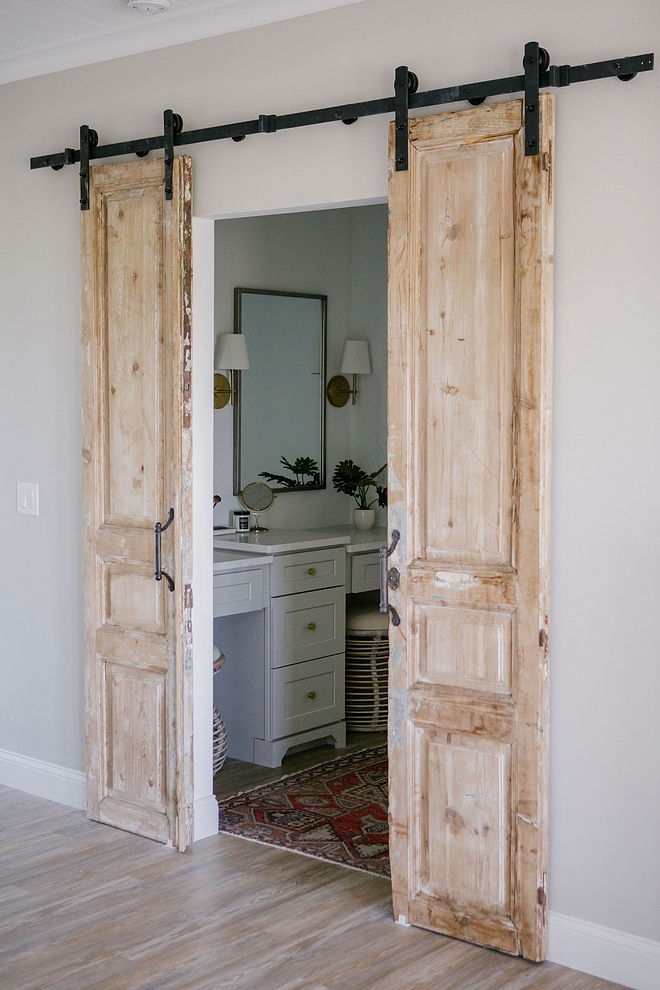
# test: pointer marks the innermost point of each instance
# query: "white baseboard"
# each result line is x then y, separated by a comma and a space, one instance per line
604, 952
46, 780
206, 817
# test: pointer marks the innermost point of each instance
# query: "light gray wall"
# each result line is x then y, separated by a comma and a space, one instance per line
340, 253
605, 742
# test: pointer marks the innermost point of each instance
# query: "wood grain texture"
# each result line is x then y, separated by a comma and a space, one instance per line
136, 279
470, 246
88, 907
466, 286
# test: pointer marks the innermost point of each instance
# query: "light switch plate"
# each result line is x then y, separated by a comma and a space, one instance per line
27, 495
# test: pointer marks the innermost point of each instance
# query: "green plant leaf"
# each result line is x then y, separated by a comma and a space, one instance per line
350, 479
279, 478
302, 467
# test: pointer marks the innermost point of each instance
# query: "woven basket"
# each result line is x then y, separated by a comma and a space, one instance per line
220, 742
367, 655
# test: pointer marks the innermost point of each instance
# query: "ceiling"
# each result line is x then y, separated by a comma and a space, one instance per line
39, 36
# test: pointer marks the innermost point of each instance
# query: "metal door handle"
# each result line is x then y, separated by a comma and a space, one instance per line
159, 528
386, 552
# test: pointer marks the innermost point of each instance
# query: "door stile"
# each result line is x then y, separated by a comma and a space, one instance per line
401, 328
181, 300
90, 389
533, 502
460, 732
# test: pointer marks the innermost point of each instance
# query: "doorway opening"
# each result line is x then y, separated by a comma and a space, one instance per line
470, 290
296, 607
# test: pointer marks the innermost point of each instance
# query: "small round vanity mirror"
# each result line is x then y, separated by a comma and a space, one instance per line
257, 497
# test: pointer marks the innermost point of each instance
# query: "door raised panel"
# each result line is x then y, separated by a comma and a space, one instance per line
467, 648
465, 387
464, 809
136, 736
131, 598
133, 376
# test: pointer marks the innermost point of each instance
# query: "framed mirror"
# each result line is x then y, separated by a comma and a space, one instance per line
279, 415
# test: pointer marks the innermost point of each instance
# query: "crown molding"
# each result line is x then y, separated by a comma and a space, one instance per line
164, 30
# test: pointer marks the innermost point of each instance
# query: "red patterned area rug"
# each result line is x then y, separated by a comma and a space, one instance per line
336, 811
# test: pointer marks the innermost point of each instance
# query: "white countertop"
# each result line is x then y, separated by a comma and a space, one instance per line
231, 560
290, 540
279, 541
361, 539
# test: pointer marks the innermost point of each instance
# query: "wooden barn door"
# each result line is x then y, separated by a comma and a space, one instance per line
137, 457
469, 440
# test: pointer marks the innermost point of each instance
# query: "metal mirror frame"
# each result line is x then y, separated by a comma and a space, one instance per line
238, 320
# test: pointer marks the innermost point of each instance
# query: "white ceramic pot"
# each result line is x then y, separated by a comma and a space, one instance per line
364, 518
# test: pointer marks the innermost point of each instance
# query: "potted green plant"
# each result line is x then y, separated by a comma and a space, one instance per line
354, 481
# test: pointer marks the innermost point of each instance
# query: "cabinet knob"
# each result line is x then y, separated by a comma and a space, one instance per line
312, 571
312, 695
312, 626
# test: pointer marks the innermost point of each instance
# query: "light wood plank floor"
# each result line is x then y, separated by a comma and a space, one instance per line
87, 907
236, 775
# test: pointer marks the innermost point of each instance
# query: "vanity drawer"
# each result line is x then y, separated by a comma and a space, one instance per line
308, 626
309, 570
365, 572
238, 591
306, 695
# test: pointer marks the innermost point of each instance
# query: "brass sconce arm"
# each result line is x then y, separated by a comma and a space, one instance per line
338, 390
223, 390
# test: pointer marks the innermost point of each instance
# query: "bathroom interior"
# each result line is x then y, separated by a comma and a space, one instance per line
300, 645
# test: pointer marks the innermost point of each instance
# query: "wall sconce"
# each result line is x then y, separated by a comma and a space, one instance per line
230, 354
355, 361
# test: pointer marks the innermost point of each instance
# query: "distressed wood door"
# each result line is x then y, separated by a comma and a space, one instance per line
137, 459
470, 247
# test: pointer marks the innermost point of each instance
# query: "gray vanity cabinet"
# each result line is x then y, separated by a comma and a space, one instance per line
282, 625
363, 572
307, 626
309, 570
280, 615
306, 652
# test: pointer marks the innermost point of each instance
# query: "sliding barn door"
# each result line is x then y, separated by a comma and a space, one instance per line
137, 457
469, 441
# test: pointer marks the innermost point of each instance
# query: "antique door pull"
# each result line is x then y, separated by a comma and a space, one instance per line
390, 579
158, 530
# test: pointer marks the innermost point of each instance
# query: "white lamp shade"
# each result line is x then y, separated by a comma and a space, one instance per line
356, 358
231, 353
